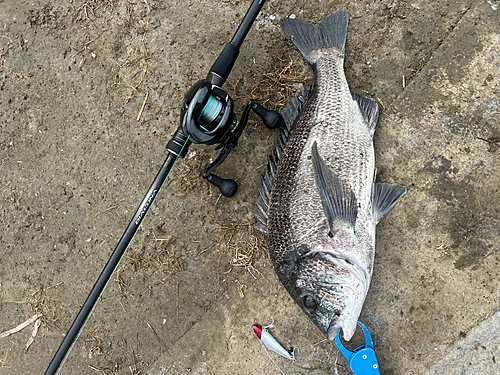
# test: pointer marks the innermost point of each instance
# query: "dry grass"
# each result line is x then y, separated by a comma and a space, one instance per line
277, 86
242, 287
85, 49
190, 176
142, 58
421, 64
119, 280
170, 262
239, 242
87, 12
113, 371
165, 259
3, 52
43, 314
4, 360
87, 15
94, 344
40, 305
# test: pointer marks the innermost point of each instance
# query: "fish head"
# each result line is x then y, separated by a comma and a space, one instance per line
331, 290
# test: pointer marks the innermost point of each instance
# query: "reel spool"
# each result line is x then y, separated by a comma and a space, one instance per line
207, 113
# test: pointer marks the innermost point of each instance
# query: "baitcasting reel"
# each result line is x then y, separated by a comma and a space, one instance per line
207, 117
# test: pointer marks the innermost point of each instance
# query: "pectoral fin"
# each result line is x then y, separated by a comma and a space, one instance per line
339, 202
385, 197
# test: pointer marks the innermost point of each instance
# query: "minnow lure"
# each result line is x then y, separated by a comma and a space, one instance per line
270, 342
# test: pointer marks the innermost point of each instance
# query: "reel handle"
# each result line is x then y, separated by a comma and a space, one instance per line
271, 119
227, 187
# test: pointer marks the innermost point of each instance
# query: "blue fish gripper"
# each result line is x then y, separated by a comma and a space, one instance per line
362, 360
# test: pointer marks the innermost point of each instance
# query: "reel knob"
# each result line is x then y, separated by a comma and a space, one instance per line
227, 187
271, 119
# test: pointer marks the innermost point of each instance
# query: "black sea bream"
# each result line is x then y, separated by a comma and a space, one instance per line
319, 203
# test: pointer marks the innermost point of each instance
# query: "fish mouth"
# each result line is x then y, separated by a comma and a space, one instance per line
334, 329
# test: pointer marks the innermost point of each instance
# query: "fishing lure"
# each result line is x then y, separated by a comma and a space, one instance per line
362, 360
270, 342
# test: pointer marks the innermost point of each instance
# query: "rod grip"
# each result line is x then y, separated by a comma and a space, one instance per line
222, 66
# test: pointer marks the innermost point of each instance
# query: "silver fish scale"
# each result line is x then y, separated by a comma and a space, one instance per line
333, 120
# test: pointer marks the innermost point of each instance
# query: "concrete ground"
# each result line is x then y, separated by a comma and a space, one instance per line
75, 163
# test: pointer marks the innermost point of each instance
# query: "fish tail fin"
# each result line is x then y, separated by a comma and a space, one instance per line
331, 33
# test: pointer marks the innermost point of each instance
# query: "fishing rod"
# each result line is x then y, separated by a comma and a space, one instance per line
207, 117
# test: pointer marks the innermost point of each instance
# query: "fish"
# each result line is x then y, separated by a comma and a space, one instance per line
319, 202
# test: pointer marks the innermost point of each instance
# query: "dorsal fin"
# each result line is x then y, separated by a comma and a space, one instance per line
369, 108
290, 114
293, 108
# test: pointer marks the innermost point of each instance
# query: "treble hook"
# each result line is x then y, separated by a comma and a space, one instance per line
271, 327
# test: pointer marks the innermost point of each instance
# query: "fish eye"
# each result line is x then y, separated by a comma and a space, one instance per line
309, 302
